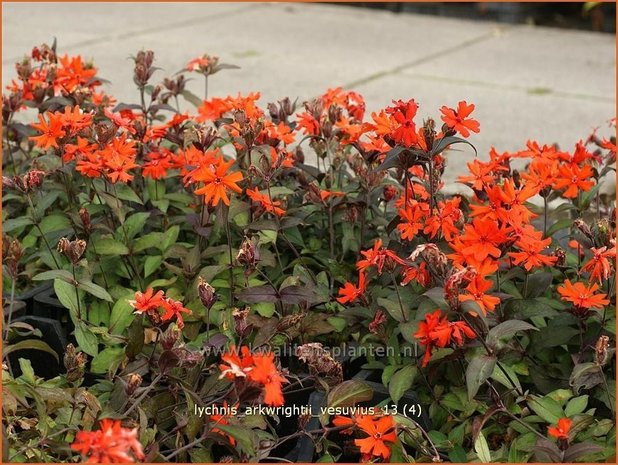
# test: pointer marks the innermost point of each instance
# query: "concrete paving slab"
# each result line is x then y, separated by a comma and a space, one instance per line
545, 84
538, 59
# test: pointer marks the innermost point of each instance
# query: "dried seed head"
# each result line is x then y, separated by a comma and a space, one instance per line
33, 179
320, 361
207, 293
560, 254
75, 363
601, 351
248, 255
583, 227
241, 324
134, 381
73, 250
429, 132
170, 336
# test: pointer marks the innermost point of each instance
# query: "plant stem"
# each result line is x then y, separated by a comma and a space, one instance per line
79, 309
143, 394
331, 232
544, 216
403, 313
229, 248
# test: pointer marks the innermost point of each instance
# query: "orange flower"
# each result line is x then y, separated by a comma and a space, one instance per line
457, 119
482, 238
437, 331
238, 365
599, 266
481, 175
265, 372
147, 301
111, 444
157, 164
477, 288
403, 113
119, 158
217, 182
574, 179
561, 430
271, 206
350, 293
530, 256
340, 421
50, 132
413, 219
582, 297
444, 219
378, 256
380, 430
174, 309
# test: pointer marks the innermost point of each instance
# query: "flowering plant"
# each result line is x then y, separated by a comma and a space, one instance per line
189, 250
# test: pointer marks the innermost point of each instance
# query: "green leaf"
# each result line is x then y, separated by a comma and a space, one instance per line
109, 246
53, 223
245, 438
507, 329
150, 240
95, 290
87, 341
107, 360
479, 369
482, 448
151, 264
122, 315
338, 323
29, 344
401, 382
64, 275
126, 193
349, 393
511, 381
576, 406
27, 372
394, 309
265, 309
16, 223
538, 283
171, 235
559, 225
547, 408
133, 224
68, 296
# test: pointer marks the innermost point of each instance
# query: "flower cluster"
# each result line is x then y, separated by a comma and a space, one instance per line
151, 303
112, 443
257, 369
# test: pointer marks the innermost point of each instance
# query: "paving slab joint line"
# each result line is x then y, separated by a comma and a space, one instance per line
126, 35
426, 59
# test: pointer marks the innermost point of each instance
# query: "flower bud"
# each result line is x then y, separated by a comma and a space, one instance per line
378, 320
429, 132
207, 293
85, 217
583, 228
390, 192
560, 254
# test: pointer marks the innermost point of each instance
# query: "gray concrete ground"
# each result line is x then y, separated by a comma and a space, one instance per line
527, 82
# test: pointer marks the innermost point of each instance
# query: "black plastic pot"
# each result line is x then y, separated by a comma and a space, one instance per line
28, 296
18, 311
47, 305
43, 364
